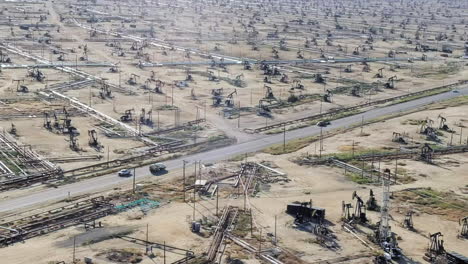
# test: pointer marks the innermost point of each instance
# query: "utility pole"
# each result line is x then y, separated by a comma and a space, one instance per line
74, 249
461, 134
362, 124
260, 240
108, 156
134, 179
321, 101
164, 252
199, 169
396, 169
251, 223
276, 238
184, 178
120, 77
363, 168
158, 120
245, 198
194, 190
217, 199
172, 95
90, 96
284, 137
147, 229
321, 143
194, 198
238, 186
238, 118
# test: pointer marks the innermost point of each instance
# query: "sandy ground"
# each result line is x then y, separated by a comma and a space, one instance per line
59, 246
212, 31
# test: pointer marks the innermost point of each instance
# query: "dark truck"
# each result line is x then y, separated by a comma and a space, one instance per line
158, 168
323, 123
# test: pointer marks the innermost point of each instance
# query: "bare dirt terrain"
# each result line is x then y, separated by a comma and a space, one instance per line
92, 92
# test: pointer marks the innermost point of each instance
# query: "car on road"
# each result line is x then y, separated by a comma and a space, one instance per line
323, 123
158, 168
124, 173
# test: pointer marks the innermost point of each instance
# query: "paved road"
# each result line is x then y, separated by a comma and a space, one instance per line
280, 62
111, 180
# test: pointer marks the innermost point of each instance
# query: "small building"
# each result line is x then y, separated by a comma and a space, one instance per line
305, 211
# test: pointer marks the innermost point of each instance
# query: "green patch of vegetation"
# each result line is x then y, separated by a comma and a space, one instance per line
242, 225
359, 179
440, 72
241, 157
406, 179
274, 131
291, 146
306, 76
311, 241
216, 137
314, 122
181, 134
16, 169
126, 255
303, 99
457, 101
413, 122
299, 126
402, 171
426, 94
363, 87
342, 115
160, 140
349, 156
430, 201
289, 128
435, 198
196, 128
167, 107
